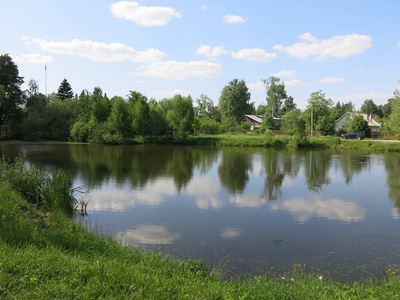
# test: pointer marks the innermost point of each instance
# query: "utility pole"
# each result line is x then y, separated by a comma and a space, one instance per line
45, 80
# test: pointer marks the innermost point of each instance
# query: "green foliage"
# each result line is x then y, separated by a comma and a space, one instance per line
120, 120
326, 125
205, 108
318, 107
290, 121
269, 137
11, 96
234, 100
65, 90
299, 138
52, 191
276, 94
394, 120
369, 107
359, 124
267, 123
181, 117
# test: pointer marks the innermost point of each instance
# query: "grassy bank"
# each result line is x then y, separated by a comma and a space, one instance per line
45, 255
260, 140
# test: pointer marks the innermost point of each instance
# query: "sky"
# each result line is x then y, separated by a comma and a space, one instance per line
348, 49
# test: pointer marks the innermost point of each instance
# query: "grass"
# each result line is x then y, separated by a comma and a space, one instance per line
45, 255
260, 140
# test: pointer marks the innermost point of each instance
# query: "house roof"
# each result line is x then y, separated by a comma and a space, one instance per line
256, 118
368, 118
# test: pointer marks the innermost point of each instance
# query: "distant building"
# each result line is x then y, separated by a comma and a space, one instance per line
348, 116
255, 120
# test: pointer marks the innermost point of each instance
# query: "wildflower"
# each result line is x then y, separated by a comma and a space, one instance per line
283, 278
320, 277
292, 279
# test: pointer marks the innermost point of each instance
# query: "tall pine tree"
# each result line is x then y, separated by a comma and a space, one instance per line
65, 90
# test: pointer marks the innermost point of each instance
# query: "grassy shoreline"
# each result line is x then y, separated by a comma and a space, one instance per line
45, 255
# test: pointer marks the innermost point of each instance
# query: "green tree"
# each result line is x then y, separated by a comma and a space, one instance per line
369, 107
261, 109
267, 123
158, 120
358, 123
234, 100
140, 113
181, 117
326, 125
276, 94
288, 105
290, 121
206, 109
11, 96
120, 122
394, 119
318, 107
65, 90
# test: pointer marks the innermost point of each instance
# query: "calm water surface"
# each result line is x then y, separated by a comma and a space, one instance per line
243, 210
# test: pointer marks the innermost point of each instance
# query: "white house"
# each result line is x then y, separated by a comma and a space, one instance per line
346, 118
255, 120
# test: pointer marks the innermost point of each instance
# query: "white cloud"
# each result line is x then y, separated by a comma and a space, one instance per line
211, 52
33, 59
148, 235
284, 74
295, 82
257, 55
232, 19
204, 7
331, 80
176, 70
333, 209
360, 70
96, 51
144, 15
362, 96
139, 81
256, 86
172, 93
338, 46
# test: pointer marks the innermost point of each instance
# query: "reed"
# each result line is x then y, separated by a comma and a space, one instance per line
49, 190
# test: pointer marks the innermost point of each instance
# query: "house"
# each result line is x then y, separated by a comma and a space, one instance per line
255, 120
346, 119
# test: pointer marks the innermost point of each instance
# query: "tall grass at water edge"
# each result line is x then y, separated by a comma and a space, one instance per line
49, 190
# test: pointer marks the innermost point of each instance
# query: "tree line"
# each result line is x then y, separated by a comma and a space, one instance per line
94, 117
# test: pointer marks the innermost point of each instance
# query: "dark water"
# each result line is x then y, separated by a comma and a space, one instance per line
243, 210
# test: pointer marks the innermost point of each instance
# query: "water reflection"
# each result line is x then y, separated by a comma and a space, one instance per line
332, 209
148, 235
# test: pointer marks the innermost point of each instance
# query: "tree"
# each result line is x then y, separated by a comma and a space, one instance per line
318, 107
276, 94
394, 119
267, 123
369, 107
140, 113
234, 100
205, 108
11, 96
65, 90
358, 123
181, 117
290, 121
288, 105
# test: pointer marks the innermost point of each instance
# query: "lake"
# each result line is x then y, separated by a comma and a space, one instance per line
243, 210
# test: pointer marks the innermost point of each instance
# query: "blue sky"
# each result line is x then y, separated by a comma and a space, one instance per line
348, 49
